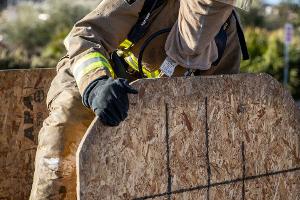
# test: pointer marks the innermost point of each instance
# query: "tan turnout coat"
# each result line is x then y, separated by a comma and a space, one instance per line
190, 43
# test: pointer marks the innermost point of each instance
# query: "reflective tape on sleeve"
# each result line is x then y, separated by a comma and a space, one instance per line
89, 63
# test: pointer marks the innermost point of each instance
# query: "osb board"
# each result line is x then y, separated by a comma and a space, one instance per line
22, 110
218, 137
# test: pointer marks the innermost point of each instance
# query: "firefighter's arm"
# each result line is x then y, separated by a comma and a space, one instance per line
96, 35
191, 42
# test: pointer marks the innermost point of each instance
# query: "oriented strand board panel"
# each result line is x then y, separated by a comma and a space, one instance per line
22, 111
217, 137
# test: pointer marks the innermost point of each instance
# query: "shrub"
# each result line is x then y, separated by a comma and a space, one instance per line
40, 40
266, 50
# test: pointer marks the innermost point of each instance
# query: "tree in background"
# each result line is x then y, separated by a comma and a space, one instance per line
265, 40
266, 52
34, 37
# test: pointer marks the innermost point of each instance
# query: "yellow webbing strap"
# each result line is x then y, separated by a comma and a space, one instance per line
126, 44
132, 61
91, 62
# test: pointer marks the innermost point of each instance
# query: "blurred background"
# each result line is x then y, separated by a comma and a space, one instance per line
32, 33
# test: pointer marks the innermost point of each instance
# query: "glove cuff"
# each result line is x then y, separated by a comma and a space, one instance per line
88, 89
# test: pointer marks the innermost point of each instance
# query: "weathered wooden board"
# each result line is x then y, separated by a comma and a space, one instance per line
223, 137
23, 109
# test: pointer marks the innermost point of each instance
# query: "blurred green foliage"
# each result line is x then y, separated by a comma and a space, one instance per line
34, 38
265, 39
31, 41
266, 52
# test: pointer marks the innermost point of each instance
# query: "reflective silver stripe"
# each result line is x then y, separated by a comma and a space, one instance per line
80, 67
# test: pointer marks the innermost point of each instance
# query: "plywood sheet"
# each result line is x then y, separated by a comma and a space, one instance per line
23, 109
218, 137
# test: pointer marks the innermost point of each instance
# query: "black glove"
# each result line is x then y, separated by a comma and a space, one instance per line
108, 98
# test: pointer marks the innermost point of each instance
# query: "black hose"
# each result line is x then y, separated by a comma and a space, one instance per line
145, 45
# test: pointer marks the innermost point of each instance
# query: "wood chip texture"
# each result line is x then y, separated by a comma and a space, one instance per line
215, 137
23, 109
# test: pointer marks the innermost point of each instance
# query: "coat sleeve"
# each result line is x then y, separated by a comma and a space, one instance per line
96, 35
191, 42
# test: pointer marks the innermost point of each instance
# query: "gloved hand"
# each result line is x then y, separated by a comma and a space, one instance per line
108, 98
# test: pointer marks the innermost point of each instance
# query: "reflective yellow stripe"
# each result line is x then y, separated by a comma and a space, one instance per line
155, 74
91, 55
133, 63
95, 66
90, 62
88, 69
126, 44
92, 67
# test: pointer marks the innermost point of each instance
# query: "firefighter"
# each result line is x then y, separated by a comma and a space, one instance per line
205, 38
